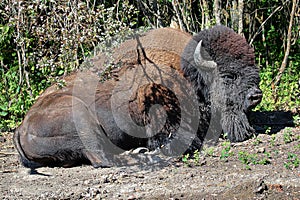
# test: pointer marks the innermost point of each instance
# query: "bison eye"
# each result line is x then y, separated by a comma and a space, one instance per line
228, 77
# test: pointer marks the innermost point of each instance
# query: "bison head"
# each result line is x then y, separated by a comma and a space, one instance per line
220, 64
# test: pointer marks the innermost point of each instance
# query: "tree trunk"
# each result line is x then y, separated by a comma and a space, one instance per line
288, 45
206, 14
241, 11
234, 15
217, 12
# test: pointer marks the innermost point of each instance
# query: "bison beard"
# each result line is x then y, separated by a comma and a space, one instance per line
236, 126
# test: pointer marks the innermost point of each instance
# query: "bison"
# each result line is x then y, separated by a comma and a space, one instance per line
171, 92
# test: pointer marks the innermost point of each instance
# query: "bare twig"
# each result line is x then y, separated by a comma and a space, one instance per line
262, 24
146, 7
184, 15
202, 15
234, 14
7, 153
18, 50
9, 171
174, 4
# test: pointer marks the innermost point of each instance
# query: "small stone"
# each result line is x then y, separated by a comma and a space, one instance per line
260, 187
261, 150
131, 197
104, 192
86, 182
2, 139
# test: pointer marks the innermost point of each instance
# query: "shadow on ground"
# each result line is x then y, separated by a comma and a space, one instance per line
271, 122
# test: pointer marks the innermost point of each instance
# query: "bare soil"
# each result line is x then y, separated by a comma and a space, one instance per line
218, 172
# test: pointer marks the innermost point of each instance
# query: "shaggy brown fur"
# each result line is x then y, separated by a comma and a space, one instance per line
225, 43
75, 124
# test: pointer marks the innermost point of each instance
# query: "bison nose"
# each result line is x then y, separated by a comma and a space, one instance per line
254, 97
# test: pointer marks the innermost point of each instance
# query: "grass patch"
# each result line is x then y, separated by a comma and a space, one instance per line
252, 159
292, 161
225, 152
288, 135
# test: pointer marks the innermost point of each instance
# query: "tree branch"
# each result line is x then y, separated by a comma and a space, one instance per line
262, 24
174, 4
288, 45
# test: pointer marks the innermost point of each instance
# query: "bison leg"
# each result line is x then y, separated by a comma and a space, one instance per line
48, 137
61, 131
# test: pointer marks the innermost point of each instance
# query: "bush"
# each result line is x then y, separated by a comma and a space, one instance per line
43, 40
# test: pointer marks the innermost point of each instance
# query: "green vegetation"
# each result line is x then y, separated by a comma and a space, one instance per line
268, 130
225, 152
41, 41
248, 159
273, 139
257, 141
296, 119
288, 135
193, 159
292, 161
208, 151
286, 96
185, 158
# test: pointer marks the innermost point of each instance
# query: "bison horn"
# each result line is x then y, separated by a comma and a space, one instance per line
202, 58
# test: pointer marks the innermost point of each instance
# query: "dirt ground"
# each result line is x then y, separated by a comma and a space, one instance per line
265, 167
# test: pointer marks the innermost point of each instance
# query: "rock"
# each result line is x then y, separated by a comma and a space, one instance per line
140, 150
2, 139
261, 150
260, 187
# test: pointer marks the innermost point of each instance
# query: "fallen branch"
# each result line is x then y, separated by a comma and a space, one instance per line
8, 171
8, 153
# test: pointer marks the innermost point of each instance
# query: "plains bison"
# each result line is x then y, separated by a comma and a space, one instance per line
171, 92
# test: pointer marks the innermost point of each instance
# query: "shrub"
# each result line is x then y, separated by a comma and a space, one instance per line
43, 40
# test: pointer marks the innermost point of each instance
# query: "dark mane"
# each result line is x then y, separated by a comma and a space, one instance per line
223, 45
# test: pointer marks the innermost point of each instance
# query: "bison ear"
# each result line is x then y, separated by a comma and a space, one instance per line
203, 59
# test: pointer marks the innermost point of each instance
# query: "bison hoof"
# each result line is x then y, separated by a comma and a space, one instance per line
98, 160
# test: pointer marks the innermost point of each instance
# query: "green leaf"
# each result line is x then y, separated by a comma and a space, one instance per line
3, 108
3, 113
61, 72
